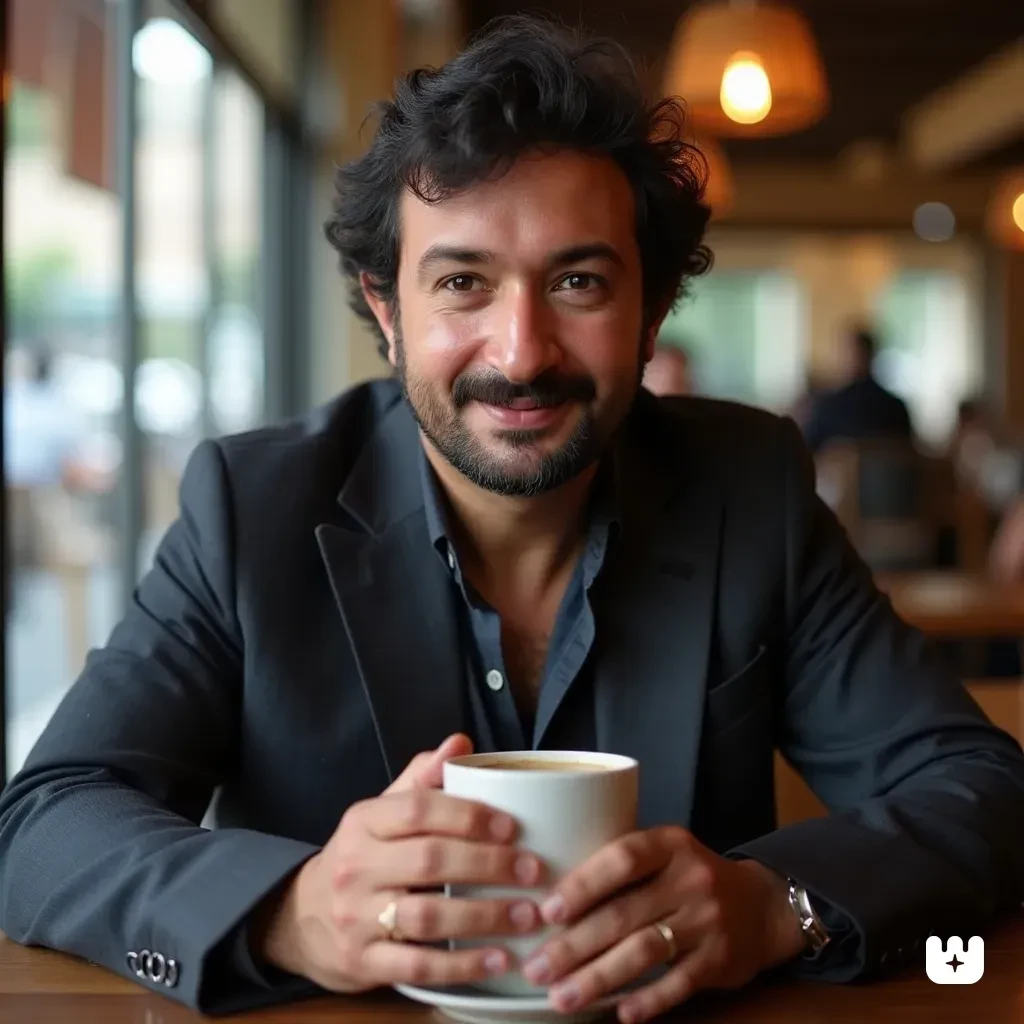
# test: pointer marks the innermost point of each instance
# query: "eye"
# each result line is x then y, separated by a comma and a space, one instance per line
578, 282
461, 283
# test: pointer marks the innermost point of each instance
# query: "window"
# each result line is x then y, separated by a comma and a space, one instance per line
932, 355
199, 230
745, 333
63, 388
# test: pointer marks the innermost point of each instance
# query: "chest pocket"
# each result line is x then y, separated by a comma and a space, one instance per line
736, 781
740, 699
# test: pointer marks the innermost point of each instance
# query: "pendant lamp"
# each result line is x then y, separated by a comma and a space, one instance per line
747, 69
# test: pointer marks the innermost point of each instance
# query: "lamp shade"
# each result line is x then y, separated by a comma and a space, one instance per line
759, 61
1005, 214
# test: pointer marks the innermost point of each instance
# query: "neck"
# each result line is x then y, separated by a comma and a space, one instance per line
520, 543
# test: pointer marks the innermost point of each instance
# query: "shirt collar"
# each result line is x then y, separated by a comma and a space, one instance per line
434, 506
604, 513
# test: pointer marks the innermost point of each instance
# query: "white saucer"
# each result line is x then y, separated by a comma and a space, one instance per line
470, 1005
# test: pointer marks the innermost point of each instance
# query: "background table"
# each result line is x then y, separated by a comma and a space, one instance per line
955, 605
39, 987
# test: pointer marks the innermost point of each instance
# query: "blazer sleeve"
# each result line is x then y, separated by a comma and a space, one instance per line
101, 851
926, 795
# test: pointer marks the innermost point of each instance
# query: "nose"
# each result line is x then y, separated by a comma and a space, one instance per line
524, 343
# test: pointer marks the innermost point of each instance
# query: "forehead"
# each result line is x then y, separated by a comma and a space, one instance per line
543, 203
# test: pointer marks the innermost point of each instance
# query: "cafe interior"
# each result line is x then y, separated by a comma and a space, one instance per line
168, 167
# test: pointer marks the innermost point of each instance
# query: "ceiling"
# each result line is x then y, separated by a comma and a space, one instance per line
881, 57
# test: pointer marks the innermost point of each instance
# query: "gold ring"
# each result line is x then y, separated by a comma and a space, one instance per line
388, 920
670, 940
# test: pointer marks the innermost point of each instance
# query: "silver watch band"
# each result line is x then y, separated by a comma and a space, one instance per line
810, 924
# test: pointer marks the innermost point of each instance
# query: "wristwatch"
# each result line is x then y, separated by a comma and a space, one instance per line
815, 933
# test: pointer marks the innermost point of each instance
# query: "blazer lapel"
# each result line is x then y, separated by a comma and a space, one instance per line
395, 597
655, 625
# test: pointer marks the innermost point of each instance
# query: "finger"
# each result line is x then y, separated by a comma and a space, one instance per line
423, 918
677, 985
621, 863
425, 770
618, 966
596, 932
428, 812
392, 963
431, 861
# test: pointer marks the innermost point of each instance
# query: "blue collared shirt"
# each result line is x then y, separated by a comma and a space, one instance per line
496, 720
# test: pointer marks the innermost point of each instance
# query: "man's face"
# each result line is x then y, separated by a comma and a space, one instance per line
520, 338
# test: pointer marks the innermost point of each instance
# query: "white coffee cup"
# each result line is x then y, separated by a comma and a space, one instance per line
568, 804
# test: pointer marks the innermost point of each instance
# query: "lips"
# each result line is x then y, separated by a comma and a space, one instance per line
525, 414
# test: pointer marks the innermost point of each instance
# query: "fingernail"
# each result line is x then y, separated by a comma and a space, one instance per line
495, 962
526, 869
553, 909
566, 997
627, 1015
538, 970
503, 827
524, 916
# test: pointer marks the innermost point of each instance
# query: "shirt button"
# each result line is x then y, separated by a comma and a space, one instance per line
495, 680
451, 558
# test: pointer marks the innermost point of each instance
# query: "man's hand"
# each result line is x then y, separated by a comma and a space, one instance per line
731, 919
412, 837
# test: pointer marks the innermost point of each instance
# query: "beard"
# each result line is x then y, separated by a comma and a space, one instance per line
514, 466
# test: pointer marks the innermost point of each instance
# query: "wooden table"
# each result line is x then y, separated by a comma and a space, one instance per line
955, 605
39, 987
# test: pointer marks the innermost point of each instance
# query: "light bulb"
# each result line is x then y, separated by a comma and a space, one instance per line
1018, 211
746, 93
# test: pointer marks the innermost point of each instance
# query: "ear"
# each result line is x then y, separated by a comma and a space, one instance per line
382, 311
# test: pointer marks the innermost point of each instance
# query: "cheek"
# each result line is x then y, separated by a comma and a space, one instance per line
608, 348
441, 349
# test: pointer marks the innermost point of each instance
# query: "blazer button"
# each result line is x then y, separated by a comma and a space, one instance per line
156, 969
172, 973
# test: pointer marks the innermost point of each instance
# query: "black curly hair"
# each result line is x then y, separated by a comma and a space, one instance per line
523, 84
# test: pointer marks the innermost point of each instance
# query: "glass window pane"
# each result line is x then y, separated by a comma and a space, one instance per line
932, 355
175, 74
745, 333
235, 354
63, 385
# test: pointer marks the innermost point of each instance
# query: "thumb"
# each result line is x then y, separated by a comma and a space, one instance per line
425, 770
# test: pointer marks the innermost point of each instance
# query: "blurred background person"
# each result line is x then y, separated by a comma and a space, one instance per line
1006, 558
860, 408
670, 371
41, 441
972, 440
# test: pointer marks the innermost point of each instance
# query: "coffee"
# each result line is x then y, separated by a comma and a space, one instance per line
537, 765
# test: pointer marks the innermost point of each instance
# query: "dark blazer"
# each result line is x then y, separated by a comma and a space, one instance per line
295, 645
862, 410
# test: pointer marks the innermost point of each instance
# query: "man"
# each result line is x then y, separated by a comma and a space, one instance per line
861, 409
667, 373
514, 546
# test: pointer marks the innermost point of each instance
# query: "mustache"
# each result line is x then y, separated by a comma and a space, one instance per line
548, 389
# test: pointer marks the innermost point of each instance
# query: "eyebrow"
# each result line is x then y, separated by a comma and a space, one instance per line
444, 253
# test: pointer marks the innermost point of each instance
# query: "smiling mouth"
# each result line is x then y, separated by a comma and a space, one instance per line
525, 413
